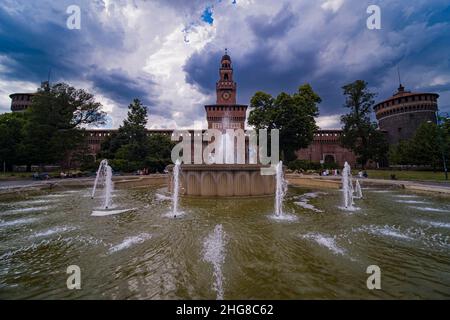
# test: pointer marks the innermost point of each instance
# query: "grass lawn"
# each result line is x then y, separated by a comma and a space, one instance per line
407, 175
8, 176
15, 176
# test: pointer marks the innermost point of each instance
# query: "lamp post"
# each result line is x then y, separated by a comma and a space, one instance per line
441, 143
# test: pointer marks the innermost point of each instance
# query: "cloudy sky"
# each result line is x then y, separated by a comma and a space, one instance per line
167, 52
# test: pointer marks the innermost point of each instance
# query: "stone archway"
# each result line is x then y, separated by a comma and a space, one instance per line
225, 184
329, 158
193, 184
208, 184
242, 184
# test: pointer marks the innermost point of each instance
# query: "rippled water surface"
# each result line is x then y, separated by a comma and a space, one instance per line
229, 249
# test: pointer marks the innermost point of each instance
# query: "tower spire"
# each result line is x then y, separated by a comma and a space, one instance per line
401, 88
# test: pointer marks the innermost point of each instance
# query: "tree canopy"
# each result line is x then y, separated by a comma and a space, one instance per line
360, 134
11, 136
52, 126
294, 115
55, 121
130, 148
426, 148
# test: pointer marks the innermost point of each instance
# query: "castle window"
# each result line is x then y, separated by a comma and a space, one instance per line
225, 76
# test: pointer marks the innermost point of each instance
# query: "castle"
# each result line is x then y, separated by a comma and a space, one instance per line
399, 116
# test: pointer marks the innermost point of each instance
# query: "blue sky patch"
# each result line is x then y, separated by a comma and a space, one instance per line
207, 15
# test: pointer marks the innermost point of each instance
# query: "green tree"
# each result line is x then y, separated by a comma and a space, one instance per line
401, 153
11, 136
294, 115
426, 148
427, 145
130, 141
360, 134
54, 123
160, 148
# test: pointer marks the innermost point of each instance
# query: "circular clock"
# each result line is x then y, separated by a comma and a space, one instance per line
226, 95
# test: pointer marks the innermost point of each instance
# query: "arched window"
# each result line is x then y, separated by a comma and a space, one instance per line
225, 77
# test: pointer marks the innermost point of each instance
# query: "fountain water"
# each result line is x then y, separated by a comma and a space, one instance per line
100, 174
280, 193
104, 176
176, 187
358, 190
281, 189
109, 188
214, 253
347, 188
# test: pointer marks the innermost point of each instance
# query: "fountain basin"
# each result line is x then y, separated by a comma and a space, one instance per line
223, 180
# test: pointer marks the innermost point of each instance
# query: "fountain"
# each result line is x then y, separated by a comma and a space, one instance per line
214, 253
281, 189
109, 187
280, 192
104, 176
176, 187
100, 174
358, 190
347, 188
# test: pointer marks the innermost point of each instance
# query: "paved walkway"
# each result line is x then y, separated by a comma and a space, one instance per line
8, 186
13, 184
426, 186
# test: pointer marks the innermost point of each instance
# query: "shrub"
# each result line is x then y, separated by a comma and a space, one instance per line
331, 166
303, 165
125, 165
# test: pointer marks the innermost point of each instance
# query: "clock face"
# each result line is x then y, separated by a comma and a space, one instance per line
226, 95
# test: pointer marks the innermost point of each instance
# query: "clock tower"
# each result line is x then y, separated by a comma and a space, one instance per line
226, 114
226, 87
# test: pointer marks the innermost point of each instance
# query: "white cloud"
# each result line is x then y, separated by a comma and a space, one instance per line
329, 122
166, 66
146, 38
332, 5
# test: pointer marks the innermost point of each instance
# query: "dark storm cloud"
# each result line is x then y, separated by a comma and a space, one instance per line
120, 86
414, 38
286, 49
34, 47
267, 27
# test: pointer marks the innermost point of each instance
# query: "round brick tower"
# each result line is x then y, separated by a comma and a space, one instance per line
20, 101
404, 112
